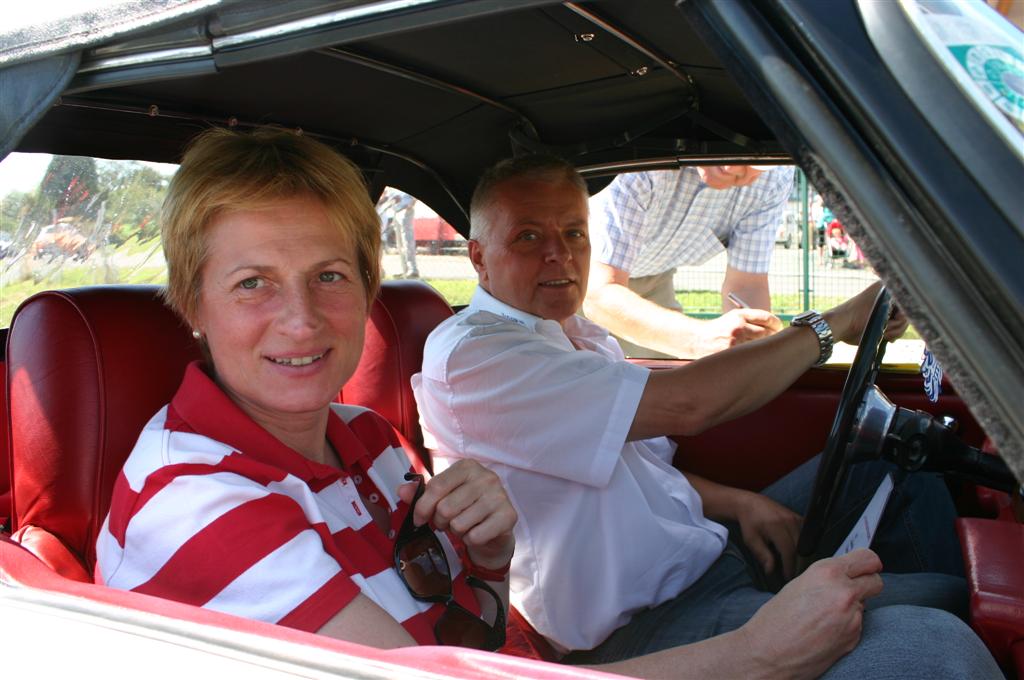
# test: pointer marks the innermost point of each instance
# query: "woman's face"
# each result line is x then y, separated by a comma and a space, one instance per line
282, 306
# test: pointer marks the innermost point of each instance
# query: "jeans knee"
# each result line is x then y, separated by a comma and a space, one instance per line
918, 642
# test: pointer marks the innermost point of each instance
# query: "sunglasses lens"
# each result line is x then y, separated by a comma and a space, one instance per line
460, 628
424, 567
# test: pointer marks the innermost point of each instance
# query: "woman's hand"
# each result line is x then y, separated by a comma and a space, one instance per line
764, 525
468, 500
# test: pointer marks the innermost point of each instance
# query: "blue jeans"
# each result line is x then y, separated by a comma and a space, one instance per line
906, 633
916, 533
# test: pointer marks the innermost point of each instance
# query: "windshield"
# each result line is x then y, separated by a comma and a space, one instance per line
69, 221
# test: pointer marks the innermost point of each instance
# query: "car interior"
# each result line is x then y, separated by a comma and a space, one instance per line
85, 368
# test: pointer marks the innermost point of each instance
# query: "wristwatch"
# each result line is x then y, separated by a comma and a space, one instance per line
816, 322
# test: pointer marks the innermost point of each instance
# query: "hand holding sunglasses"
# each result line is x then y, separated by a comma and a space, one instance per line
480, 514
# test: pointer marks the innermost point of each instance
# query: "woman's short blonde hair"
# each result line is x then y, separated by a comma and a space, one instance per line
224, 171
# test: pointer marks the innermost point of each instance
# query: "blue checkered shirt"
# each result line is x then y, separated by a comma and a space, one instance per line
648, 223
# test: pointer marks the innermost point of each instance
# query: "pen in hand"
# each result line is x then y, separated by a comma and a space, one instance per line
736, 300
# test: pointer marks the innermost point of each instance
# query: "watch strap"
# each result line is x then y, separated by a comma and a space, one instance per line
817, 323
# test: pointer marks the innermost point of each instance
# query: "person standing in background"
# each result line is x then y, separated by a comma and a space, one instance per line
397, 211
645, 224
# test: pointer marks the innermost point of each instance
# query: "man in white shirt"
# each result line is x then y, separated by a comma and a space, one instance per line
616, 551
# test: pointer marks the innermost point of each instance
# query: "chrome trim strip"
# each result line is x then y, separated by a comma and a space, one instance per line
599, 169
159, 56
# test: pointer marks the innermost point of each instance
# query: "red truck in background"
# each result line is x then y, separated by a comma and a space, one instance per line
434, 236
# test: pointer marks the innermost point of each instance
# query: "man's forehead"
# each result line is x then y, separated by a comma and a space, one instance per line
522, 196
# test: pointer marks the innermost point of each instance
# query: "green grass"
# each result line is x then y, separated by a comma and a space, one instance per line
71, 276
455, 291
698, 302
702, 303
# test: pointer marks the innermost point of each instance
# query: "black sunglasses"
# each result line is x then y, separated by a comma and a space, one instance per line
421, 562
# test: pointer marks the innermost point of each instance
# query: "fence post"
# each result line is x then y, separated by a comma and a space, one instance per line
807, 239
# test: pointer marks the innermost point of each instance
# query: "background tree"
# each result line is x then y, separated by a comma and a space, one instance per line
133, 193
68, 188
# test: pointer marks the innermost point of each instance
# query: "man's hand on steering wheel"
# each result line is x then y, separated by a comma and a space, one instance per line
849, 318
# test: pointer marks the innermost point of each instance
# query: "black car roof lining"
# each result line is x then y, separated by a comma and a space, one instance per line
530, 73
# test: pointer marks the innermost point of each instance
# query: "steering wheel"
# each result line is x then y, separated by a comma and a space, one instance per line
836, 457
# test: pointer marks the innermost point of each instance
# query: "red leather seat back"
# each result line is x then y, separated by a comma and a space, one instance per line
5, 450
86, 369
993, 552
401, 319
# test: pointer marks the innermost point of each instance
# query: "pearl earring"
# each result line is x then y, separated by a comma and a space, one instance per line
197, 335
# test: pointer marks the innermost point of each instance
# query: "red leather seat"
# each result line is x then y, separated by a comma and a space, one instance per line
403, 316
5, 456
86, 369
993, 551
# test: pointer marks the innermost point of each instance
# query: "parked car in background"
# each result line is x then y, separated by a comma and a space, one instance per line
61, 241
906, 116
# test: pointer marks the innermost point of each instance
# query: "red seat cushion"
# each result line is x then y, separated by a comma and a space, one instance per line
993, 555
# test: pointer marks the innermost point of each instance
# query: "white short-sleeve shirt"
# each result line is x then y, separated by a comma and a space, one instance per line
648, 223
606, 527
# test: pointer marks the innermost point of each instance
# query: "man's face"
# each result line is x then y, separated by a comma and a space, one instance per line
536, 255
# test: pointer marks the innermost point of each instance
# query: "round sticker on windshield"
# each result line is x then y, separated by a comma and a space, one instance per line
1000, 74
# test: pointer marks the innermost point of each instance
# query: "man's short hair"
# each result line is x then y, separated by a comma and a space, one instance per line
534, 166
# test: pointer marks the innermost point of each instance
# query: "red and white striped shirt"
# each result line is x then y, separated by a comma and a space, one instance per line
212, 510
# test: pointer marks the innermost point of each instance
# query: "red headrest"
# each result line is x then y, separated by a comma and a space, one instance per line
402, 317
86, 369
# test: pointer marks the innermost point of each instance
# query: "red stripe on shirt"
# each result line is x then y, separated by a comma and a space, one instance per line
321, 606
225, 548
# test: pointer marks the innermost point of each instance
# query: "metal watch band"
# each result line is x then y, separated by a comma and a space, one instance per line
816, 322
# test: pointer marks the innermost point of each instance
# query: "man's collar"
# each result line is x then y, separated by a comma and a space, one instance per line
575, 327
484, 301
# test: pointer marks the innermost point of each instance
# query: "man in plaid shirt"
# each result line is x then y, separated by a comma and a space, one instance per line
645, 224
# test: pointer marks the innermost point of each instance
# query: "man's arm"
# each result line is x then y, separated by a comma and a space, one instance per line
768, 528
612, 304
749, 287
718, 388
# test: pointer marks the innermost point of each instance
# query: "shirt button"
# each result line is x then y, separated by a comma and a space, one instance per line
358, 479
391, 533
374, 498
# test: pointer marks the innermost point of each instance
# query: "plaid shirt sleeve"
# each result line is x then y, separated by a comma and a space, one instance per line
753, 235
619, 219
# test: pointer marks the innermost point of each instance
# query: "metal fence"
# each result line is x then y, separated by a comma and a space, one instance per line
801, 277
